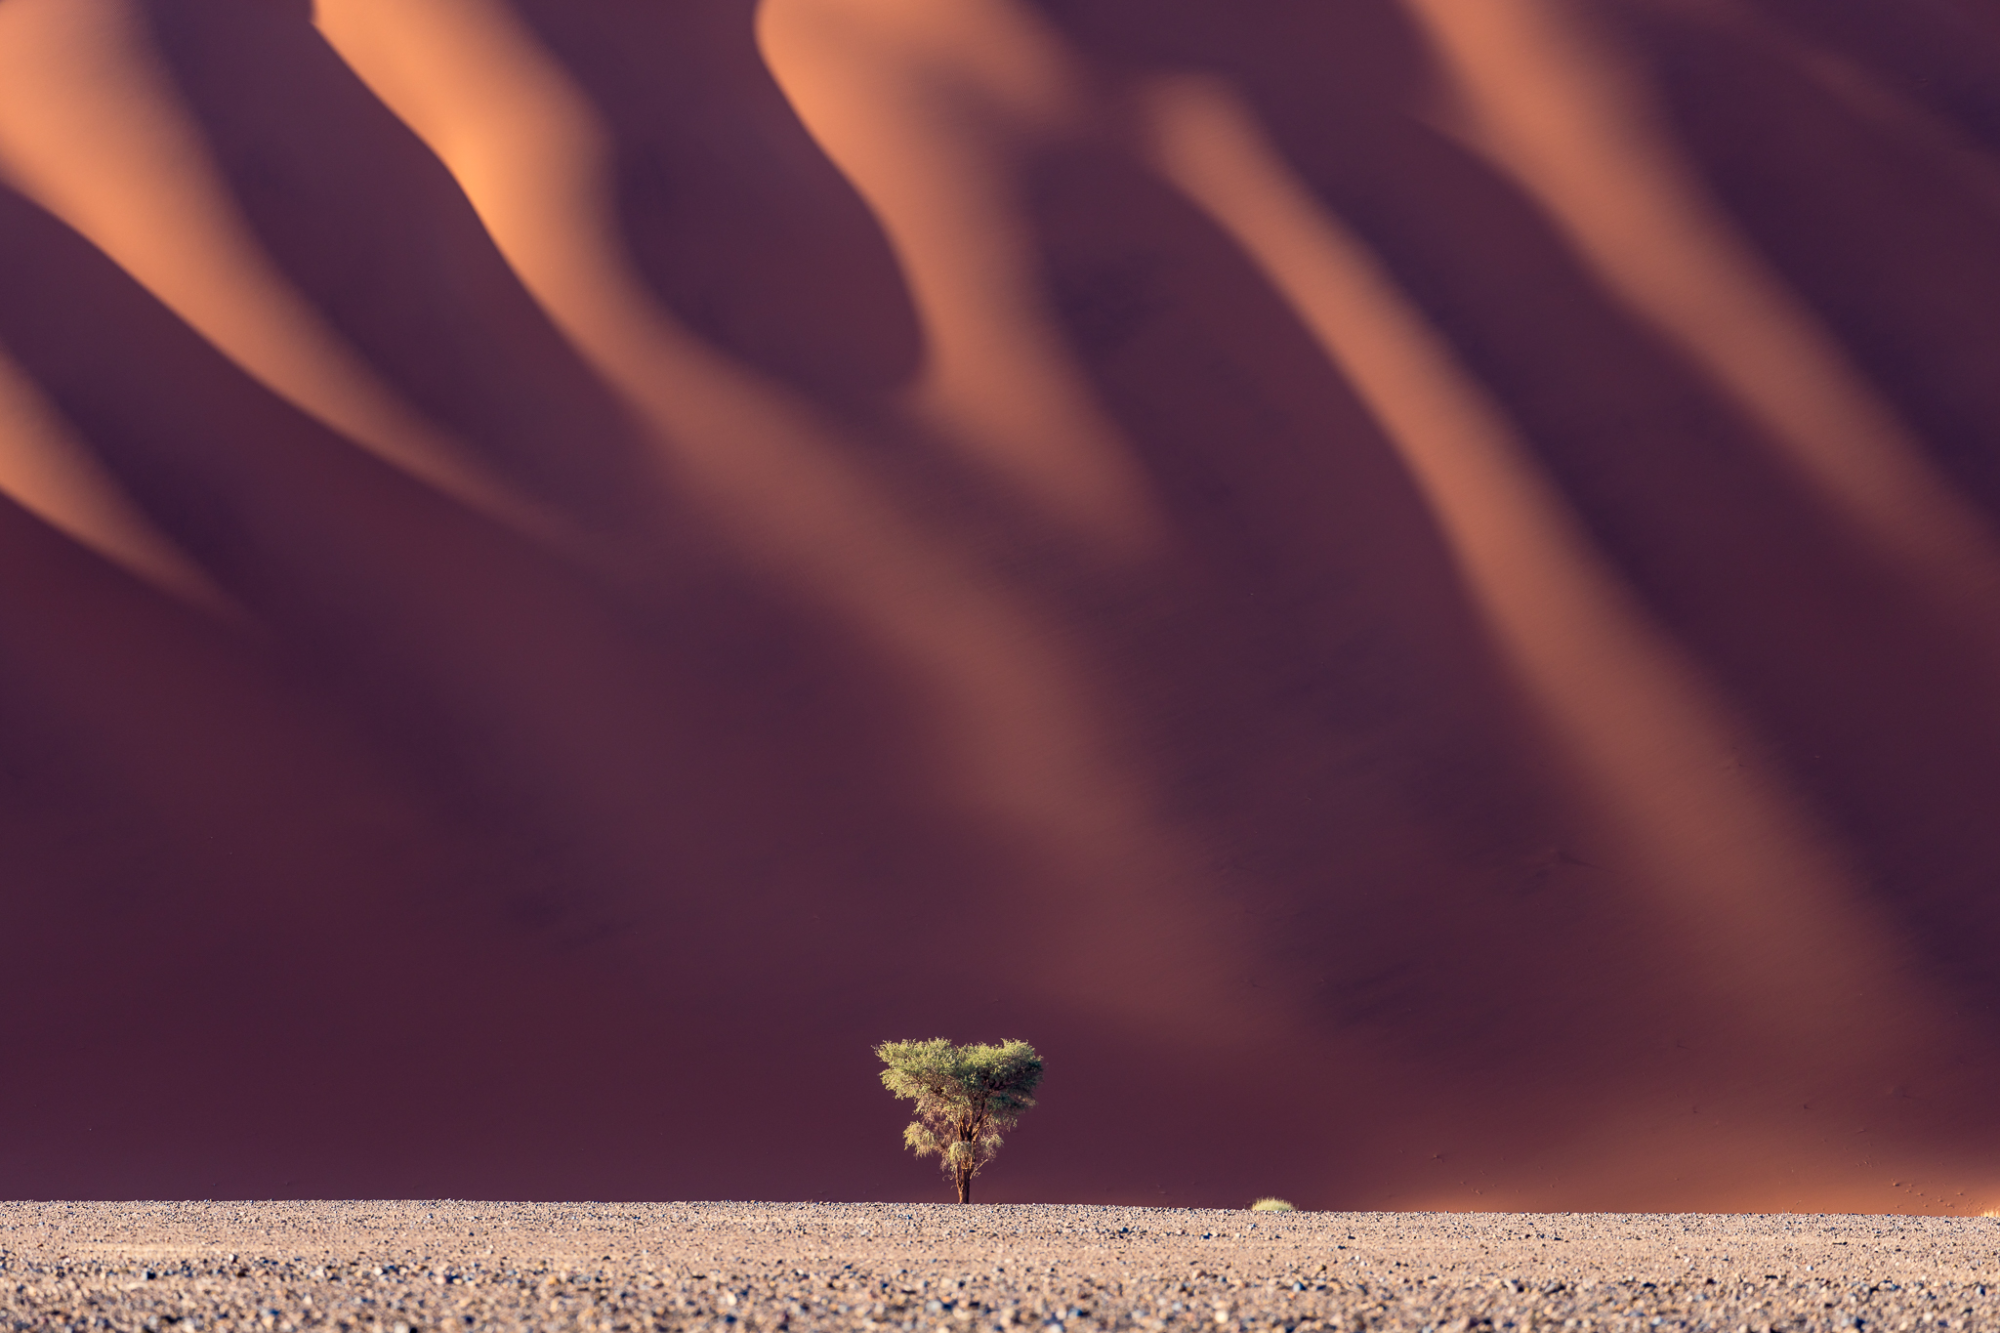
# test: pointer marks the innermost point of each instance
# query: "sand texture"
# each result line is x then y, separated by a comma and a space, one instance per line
407, 1266
1304, 556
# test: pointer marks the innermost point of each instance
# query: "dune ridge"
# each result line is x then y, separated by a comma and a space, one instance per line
1425, 569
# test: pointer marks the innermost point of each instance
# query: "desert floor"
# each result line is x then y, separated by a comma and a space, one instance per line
407, 1266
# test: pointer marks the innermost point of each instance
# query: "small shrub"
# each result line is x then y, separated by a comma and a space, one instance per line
1273, 1206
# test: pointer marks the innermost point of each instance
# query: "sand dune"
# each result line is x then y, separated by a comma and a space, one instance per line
1408, 586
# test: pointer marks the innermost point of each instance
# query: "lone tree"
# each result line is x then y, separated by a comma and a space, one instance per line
965, 1096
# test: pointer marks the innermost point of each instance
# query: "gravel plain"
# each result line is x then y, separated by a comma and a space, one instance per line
416, 1267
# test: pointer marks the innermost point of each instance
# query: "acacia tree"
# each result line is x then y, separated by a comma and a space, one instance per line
965, 1096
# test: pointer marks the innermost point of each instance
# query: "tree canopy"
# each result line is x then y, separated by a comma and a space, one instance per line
965, 1096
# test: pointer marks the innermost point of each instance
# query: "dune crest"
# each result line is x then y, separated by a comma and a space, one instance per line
1360, 555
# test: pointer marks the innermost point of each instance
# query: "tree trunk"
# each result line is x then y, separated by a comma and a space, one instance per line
964, 1183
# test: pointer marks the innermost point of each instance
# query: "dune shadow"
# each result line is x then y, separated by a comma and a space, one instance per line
1878, 707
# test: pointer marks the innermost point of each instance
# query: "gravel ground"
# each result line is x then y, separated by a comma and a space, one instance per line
402, 1267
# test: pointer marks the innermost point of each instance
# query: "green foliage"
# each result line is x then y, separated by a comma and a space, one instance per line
965, 1096
1272, 1206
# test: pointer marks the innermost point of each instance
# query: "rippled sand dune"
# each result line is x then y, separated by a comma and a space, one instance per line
1407, 587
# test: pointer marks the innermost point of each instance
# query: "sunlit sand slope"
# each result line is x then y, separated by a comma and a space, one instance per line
1407, 587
